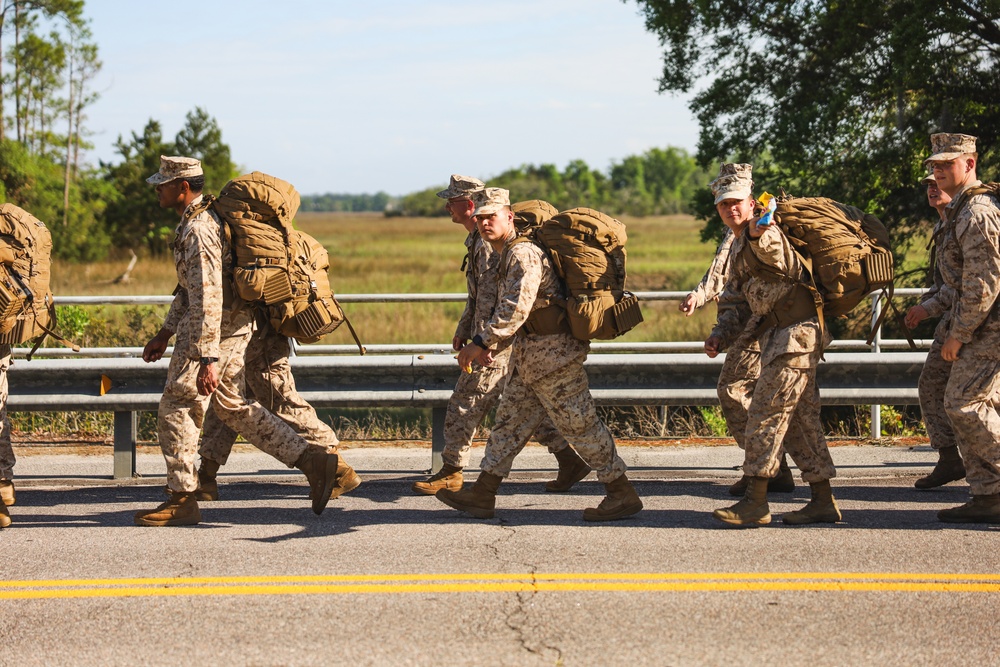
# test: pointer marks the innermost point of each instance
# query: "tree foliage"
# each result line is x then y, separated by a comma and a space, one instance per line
835, 98
660, 181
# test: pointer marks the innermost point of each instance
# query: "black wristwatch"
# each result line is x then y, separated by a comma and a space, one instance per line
205, 361
478, 340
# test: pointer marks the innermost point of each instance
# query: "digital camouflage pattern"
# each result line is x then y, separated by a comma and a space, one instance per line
204, 329
948, 146
7, 458
269, 379
547, 375
477, 393
714, 280
968, 258
784, 404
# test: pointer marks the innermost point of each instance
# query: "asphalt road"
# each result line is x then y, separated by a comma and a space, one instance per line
387, 578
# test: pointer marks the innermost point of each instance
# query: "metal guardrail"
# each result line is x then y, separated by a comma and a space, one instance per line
428, 380
424, 375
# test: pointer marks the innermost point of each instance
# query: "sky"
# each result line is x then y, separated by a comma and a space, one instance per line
388, 95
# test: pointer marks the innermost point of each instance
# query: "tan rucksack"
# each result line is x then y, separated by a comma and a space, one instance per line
846, 251
587, 248
283, 270
26, 308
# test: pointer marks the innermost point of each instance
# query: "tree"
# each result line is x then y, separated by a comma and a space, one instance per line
201, 138
133, 215
835, 99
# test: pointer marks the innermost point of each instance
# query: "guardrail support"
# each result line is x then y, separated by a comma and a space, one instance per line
126, 436
437, 438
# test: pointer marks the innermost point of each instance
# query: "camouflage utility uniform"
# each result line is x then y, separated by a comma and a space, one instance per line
969, 261
784, 405
477, 393
547, 376
937, 301
205, 329
269, 379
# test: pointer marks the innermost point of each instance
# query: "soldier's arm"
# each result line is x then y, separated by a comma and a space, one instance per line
771, 247
203, 263
517, 294
980, 270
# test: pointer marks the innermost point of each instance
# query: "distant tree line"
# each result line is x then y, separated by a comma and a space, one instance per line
346, 203
658, 182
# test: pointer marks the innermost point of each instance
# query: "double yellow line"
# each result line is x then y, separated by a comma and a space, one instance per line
501, 583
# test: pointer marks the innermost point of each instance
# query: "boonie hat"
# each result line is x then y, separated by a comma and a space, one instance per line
461, 186
733, 182
490, 200
946, 147
174, 167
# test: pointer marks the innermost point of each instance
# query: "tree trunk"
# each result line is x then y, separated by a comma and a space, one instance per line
69, 147
17, 69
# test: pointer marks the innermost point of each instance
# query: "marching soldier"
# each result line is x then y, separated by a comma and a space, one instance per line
547, 377
969, 261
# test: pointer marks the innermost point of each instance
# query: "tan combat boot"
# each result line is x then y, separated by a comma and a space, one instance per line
347, 480
752, 510
180, 510
621, 501
571, 470
949, 468
320, 469
821, 508
208, 486
784, 482
479, 500
981, 509
4, 516
8, 496
448, 477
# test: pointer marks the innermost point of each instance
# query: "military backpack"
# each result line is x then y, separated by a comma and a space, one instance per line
587, 248
277, 267
27, 310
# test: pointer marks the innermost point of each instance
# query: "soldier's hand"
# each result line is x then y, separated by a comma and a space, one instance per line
457, 343
712, 344
951, 349
471, 353
208, 379
915, 316
688, 305
156, 346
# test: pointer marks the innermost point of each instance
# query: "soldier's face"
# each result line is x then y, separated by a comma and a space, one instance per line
497, 226
935, 197
170, 193
735, 212
460, 209
952, 175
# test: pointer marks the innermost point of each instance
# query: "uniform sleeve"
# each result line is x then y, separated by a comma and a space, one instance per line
517, 294
202, 263
734, 313
714, 280
464, 328
978, 232
772, 248
177, 309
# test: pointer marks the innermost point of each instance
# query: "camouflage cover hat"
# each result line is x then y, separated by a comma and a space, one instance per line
174, 167
490, 200
733, 182
928, 179
946, 147
461, 186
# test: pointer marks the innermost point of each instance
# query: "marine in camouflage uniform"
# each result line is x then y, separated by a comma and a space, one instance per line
208, 359
936, 303
784, 405
268, 376
7, 459
477, 392
546, 378
741, 367
968, 258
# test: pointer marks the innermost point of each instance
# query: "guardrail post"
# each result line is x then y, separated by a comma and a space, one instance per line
125, 438
876, 429
437, 438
